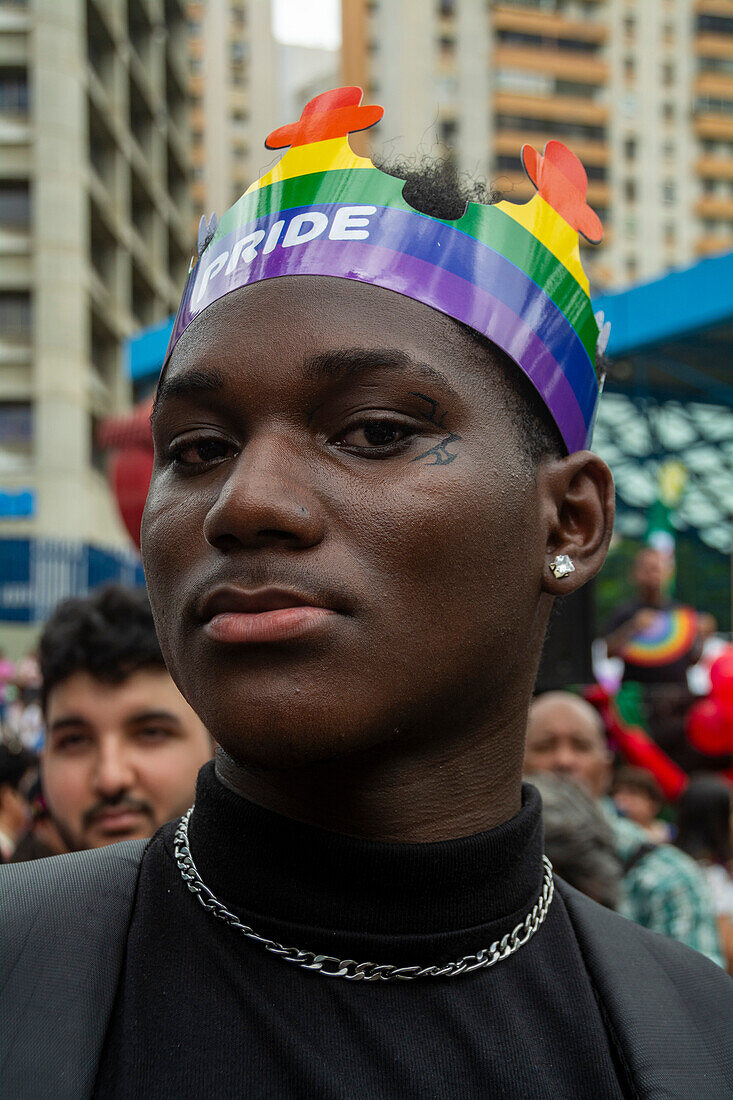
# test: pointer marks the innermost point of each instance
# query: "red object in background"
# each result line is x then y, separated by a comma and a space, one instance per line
636, 746
721, 679
708, 727
130, 440
129, 472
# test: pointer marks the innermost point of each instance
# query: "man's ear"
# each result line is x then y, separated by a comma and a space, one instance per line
577, 501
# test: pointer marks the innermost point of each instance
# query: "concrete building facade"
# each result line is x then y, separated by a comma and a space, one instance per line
641, 91
243, 84
95, 239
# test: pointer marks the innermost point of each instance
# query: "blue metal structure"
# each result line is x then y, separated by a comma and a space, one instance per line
36, 573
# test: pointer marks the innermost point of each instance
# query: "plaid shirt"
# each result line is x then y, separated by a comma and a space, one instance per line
665, 890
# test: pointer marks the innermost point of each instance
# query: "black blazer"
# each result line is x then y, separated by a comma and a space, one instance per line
63, 931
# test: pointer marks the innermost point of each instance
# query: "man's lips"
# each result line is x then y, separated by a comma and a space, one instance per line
234, 615
117, 821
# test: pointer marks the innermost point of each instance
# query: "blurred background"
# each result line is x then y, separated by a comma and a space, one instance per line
121, 121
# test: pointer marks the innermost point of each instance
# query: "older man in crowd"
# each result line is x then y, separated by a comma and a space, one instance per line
123, 747
662, 889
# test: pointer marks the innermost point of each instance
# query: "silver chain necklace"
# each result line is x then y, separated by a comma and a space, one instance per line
366, 971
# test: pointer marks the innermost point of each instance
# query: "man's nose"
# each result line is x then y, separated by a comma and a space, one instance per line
565, 761
267, 500
114, 772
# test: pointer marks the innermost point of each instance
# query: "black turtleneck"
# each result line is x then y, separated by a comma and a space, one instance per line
202, 1011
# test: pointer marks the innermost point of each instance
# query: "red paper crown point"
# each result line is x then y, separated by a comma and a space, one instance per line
330, 115
560, 179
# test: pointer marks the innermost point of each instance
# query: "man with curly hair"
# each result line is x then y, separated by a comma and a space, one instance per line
123, 747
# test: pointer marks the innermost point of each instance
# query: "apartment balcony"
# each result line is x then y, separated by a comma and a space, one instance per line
509, 142
566, 108
714, 168
714, 45
562, 64
712, 7
715, 206
517, 188
548, 24
718, 85
717, 127
711, 246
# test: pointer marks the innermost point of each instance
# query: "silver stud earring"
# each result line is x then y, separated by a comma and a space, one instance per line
561, 566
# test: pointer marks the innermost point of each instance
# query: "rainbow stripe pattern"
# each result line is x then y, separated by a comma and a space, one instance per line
509, 271
670, 637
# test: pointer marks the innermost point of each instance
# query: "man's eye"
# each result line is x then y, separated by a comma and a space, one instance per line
374, 435
200, 452
71, 741
153, 733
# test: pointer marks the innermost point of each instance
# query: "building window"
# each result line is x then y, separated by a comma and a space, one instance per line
668, 74
15, 316
631, 267
670, 233
668, 112
14, 99
16, 434
629, 68
15, 204
630, 190
715, 24
715, 104
630, 148
448, 130
715, 64
523, 82
629, 24
668, 150
669, 191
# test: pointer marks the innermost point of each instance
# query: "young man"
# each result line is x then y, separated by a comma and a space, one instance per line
123, 747
662, 888
360, 515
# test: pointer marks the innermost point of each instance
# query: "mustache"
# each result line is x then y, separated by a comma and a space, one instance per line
122, 803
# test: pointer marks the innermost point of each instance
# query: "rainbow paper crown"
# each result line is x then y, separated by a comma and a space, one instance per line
511, 272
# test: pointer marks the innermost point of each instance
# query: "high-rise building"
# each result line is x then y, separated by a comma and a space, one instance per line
243, 84
95, 239
641, 91
233, 96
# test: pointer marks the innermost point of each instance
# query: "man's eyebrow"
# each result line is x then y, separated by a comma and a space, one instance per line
345, 362
189, 384
67, 722
153, 716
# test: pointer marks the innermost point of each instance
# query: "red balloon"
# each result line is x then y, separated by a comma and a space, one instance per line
721, 678
708, 729
130, 472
